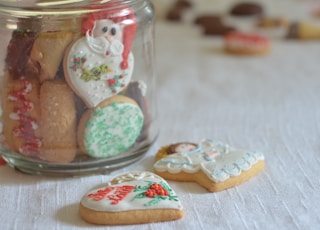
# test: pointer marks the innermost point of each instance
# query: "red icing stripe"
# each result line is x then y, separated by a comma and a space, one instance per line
27, 124
2, 161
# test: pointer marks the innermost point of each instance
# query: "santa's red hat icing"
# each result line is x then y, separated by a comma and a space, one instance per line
118, 13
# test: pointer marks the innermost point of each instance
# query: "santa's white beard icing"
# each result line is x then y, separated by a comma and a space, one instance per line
102, 46
93, 69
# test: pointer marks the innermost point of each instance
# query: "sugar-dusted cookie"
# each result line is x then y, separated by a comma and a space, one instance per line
246, 43
99, 65
47, 52
213, 165
110, 128
58, 122
39, 121
131, 198
175, 148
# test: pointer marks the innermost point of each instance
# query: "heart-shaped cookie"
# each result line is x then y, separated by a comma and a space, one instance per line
213, 165
131, 198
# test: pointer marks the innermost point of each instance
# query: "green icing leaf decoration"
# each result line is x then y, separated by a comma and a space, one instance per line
78, 62
112, 129
95, 73
154, 201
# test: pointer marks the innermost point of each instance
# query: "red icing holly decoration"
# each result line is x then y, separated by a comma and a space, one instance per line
78, 62
156, 190
112, 82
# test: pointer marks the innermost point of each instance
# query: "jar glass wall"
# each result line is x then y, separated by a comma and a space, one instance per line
78, 85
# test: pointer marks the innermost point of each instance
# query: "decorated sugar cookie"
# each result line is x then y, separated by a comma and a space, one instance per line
110, 128
213, 165
131, 198
100, 64
241, 43
175, 148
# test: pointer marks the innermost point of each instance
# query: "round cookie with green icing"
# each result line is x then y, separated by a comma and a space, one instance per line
110, 128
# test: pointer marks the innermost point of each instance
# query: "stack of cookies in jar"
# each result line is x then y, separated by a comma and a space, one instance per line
68, 93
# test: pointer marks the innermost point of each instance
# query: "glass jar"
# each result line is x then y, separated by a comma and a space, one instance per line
77, 84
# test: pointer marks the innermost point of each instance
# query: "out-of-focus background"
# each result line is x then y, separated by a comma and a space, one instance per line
269, 103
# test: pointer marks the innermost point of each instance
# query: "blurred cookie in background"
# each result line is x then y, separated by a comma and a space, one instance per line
273, 27
240, 43
245, 9
244, 15
303, 31
212, 24
178, 10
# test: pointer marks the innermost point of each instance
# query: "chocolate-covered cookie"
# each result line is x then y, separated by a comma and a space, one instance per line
177, 10
247, 9
174, 14
207, 19
218, 30
212, 25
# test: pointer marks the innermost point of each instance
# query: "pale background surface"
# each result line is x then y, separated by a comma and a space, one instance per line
270, 104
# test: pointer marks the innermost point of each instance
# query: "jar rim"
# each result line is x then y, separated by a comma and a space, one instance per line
78, 7
44, 4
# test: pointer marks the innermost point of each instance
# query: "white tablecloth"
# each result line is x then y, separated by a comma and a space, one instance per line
269, 103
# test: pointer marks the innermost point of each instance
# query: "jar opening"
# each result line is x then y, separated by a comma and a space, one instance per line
41, 4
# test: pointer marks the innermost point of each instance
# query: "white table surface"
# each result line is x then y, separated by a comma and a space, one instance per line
269, 103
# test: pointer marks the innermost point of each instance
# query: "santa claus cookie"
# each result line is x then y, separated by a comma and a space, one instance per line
131, 198
213, 165
99, 65
110, 128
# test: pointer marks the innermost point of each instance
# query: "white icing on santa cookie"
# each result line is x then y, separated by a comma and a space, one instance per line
139, 193
217, 160
100, 64
96, 76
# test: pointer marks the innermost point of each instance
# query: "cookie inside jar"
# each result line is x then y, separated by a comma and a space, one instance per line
76, 88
